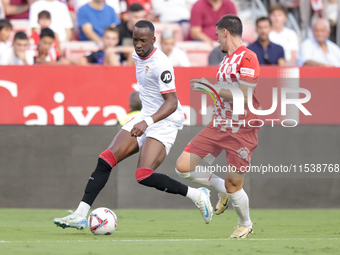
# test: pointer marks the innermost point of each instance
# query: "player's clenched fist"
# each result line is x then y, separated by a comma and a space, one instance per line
139, 128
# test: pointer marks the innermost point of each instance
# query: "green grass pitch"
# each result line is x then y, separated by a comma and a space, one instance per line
31, 231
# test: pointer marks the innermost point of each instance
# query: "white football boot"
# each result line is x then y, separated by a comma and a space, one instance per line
204, 204
242, 231
73, 220
222, 204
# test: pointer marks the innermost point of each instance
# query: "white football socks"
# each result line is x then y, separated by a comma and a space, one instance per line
83, 209
205, 178
193, 194
240, 202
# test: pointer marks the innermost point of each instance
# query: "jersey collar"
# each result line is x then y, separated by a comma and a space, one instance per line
238, 50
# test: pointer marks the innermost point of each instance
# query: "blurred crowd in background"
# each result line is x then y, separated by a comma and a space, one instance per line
98, 32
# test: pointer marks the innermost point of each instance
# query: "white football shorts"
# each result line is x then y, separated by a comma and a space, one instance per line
163, 131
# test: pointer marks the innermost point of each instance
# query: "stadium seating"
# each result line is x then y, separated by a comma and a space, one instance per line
174, 27
248, 35
197, 52
74, 49
20, 25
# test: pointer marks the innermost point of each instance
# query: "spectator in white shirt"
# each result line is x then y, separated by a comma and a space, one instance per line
172, 11
5, 32
281, 35
318, 50
176, 55
2, 11
19, 53
60, 16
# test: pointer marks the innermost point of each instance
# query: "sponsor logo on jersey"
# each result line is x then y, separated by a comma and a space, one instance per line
247, 71
166, 76
146, 69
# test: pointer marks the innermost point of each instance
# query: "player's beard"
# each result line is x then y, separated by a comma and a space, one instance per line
140, 54
145, 53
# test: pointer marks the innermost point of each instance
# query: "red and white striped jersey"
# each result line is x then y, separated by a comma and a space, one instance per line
35, 38
51, 55
242, 67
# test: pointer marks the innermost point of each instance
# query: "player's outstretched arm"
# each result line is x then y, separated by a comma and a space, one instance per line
167, 108
195, 82
226, 93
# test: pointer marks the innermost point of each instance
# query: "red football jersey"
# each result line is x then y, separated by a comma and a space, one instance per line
242, 67
35, 38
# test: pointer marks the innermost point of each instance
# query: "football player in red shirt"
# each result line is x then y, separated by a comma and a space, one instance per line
239, 68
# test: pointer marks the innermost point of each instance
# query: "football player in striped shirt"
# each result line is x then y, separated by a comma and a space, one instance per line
240, 68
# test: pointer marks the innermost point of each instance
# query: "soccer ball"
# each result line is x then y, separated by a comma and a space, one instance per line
102, 221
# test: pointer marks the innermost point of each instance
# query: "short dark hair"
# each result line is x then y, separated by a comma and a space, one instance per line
111, 29
278, 7
20, 35
136, 8
47, 32
232, 23
5, 23
263, 19
145, 24
44, 14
